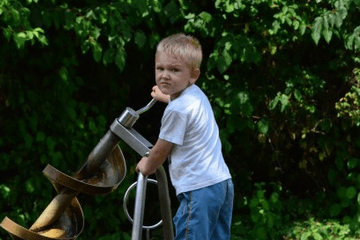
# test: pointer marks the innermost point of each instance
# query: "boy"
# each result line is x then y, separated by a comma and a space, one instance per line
190, 136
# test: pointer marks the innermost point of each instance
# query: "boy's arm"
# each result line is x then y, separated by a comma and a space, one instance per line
157, 156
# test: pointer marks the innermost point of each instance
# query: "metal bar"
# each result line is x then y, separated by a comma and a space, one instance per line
165, 204
147, 107
139, 208
142, 147
132, 138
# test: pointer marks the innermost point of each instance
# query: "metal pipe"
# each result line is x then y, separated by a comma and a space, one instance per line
139, 208
101, 151
147, 107
165, 203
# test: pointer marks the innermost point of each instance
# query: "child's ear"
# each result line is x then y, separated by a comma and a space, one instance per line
195, 74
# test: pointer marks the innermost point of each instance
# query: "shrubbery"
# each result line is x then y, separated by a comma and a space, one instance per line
282, 76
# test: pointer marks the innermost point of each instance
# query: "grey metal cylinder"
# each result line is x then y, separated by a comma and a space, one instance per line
139, 208
165, 203
128, 117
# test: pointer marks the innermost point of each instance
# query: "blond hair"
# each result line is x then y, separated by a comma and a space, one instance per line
186, 47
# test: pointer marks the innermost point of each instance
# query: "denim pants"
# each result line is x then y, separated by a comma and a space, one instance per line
205, 214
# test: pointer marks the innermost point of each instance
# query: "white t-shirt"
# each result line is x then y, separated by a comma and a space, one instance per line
196, 160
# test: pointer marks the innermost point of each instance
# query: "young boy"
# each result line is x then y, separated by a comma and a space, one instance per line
190, 136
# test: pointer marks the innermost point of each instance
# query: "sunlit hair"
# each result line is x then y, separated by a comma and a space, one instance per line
186, 47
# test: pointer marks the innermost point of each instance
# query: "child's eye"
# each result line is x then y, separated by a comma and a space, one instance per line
159, 68
175, 70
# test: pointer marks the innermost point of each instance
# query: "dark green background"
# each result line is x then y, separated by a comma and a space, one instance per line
282, 77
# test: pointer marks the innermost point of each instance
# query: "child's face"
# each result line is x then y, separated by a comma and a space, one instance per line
173, 75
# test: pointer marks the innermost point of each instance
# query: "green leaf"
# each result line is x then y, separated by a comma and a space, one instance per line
20, 39
156, 5
350, 42
341, 192
50, 143
298, 95
63, 73
318, 24
338, 19
224, 139
43, 40
325, 22
120, 59
327, 35
140, 39
29, 186
40, 136
245, 106
273, 103
302, 28
316, 37
154, 40
205, 16
190, 16
317, 236
109, 56
296, 24
342, 12
352, 163
284, 99
261, 233
7, 33
126, 29
316, 30
331, 19
243, 97
21, 35
5, 191
351, 192
224, 61
305, 235
71, 113
263, 126
357, 42
97, 52
103, 15
229, 7
16, 16
335, 210
95, 32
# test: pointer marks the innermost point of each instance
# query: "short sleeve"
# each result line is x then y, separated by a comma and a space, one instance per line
173, 126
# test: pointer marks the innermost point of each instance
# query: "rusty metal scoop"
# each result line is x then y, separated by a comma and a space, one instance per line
63, 218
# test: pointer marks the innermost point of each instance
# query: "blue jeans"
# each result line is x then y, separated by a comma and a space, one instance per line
205, 214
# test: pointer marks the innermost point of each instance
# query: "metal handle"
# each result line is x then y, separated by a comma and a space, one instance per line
147, 107
139, 208
126, 196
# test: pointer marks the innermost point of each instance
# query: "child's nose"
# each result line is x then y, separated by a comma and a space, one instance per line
165, 75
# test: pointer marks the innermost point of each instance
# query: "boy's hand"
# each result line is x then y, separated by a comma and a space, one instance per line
159, 96
141, 167
157, 156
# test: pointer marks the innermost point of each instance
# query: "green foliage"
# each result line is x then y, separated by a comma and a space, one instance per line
349, 105
287, 104
315, 230
15, 16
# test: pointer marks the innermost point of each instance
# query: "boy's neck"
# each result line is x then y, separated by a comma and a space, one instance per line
178, 95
